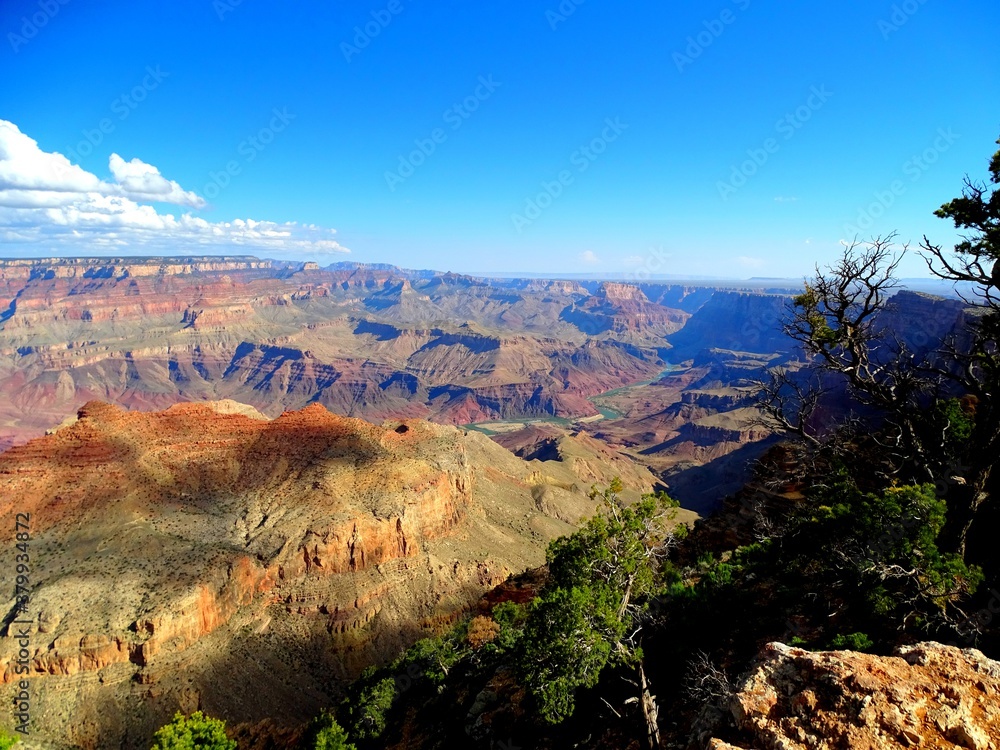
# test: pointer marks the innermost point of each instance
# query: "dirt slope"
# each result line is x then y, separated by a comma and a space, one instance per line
205, 557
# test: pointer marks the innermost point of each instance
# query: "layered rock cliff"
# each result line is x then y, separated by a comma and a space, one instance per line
368, 341
206, 557
734, 321
624, 310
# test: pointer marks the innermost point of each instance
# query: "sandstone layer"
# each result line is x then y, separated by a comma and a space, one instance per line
206, 557
928, 696
371, 341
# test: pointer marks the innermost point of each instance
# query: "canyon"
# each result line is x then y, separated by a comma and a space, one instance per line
660, 371
207, 557
236, 466
370, 341
367, 342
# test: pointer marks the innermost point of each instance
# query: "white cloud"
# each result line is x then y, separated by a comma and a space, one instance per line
24, 166
589, 257
143, 182
56, 206
632, 261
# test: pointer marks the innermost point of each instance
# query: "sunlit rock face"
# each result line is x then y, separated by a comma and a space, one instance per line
929, 695
206, 556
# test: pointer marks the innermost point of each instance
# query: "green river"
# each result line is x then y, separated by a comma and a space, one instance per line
508, 425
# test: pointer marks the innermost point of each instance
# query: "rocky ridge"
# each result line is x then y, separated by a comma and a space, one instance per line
367, 341
927, 696
205, 557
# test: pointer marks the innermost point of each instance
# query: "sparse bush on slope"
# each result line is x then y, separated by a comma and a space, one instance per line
194, 732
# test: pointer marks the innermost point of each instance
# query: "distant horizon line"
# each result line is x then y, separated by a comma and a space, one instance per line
614, 276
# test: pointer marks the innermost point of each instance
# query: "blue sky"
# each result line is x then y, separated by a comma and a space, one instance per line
732, 138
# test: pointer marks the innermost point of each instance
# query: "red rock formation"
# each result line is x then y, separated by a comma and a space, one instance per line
366, 341
167, 544
929, 696
624, 310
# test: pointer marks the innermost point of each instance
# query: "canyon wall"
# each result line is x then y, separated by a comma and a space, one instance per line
206, 557
364, 340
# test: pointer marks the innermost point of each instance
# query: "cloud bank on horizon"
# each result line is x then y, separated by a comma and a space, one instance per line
49, 205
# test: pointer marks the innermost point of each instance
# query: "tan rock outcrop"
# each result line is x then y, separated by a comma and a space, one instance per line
928, 696
173, 550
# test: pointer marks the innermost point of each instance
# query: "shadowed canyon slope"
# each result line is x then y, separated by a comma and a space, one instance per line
205, 556
379, 342
364, 341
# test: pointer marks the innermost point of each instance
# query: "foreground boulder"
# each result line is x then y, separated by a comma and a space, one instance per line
928, 696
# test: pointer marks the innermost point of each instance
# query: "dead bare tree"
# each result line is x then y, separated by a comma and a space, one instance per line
836, 322
706, 682
787, 405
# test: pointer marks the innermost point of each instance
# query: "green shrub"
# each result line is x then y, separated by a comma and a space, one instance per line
510, 616
194, 732
326, 734
436, 656
365, 711
602, 580
851, 642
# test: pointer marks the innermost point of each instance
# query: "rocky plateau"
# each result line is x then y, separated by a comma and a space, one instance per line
206, 557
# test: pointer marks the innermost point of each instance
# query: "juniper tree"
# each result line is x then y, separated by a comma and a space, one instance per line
591, 611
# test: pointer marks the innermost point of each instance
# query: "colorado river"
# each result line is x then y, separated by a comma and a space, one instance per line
494, 427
